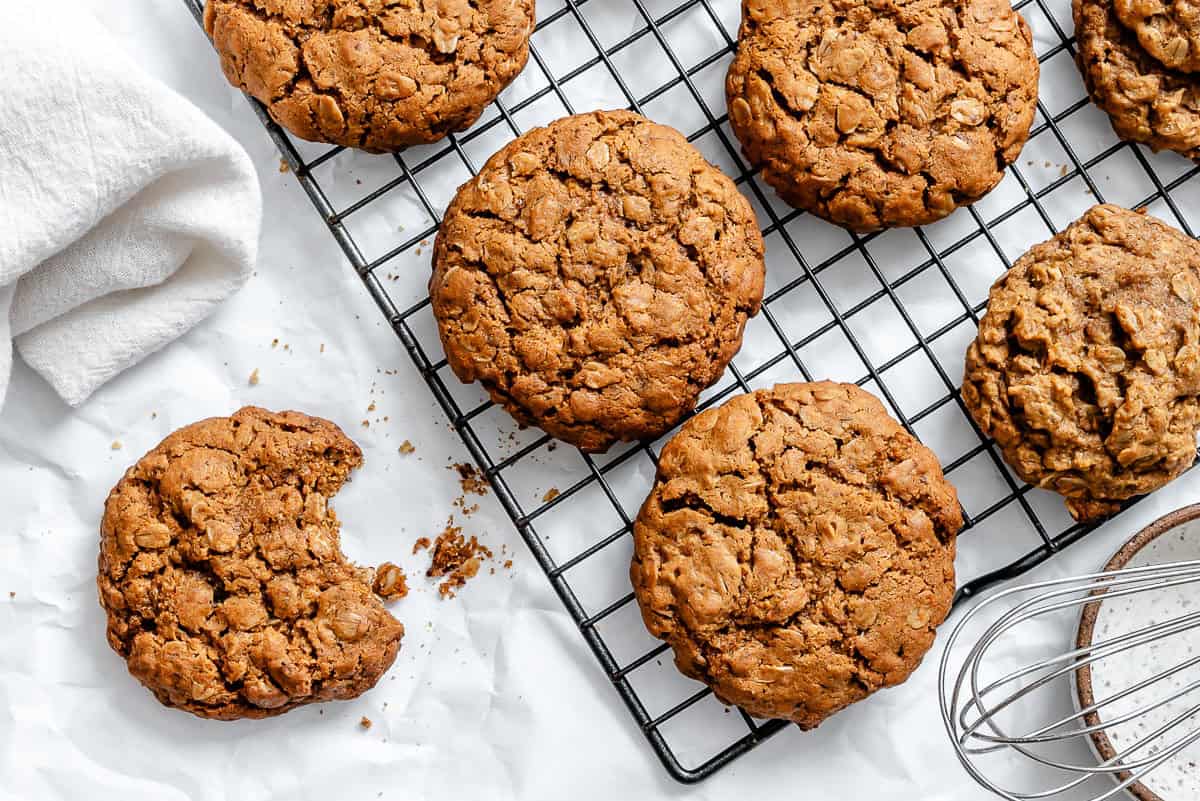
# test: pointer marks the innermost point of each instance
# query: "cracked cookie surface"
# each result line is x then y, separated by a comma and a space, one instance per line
1145, 101
221, 573
797, 550
882, 114
1169, 30
1086, 368
371, 74
595, 277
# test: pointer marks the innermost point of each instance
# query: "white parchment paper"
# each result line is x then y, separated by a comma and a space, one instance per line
494, 695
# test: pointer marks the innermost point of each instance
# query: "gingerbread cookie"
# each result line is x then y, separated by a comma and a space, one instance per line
885, 114
372, 75
797, 550
595, 277
222, 578
1146, 101
1086, 369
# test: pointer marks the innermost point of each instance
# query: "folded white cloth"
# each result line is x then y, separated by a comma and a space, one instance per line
126, 215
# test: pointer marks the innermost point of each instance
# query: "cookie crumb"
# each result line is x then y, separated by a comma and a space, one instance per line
366, 423
275, 342
456, 558
390, 582
407, 447
283, 166
460, 503
116, 445
12, 594
322, 347
421, 544
371, 408
550, 495
365, 722
254, 378
470, 478
508, 564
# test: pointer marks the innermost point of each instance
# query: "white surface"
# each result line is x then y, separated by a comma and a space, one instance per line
494, 695
126, 215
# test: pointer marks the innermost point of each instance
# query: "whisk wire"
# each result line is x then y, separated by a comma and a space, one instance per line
1013, 617
972, 705
1091, 654
1038, 736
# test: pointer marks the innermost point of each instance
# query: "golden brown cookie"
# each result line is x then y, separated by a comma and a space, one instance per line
221, 574
1086, 369
1169, 30
797, 550
367, 73
892, 113
595, 277
1146, 101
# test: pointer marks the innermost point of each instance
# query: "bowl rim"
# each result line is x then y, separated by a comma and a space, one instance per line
1084, 693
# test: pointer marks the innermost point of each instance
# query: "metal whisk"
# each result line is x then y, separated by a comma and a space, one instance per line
1032, 716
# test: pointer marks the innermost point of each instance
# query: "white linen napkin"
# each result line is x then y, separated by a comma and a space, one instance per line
126, 215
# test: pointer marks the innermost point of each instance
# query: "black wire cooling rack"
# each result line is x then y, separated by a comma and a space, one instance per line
892, 311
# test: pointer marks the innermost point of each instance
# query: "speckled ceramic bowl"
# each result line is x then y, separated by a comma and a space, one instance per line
1172, 538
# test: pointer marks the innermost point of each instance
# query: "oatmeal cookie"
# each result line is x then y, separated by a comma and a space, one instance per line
1169, 30
371, 74
1146, 101
221, 574
1086, 369
882, 114
797, 550
595, 277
